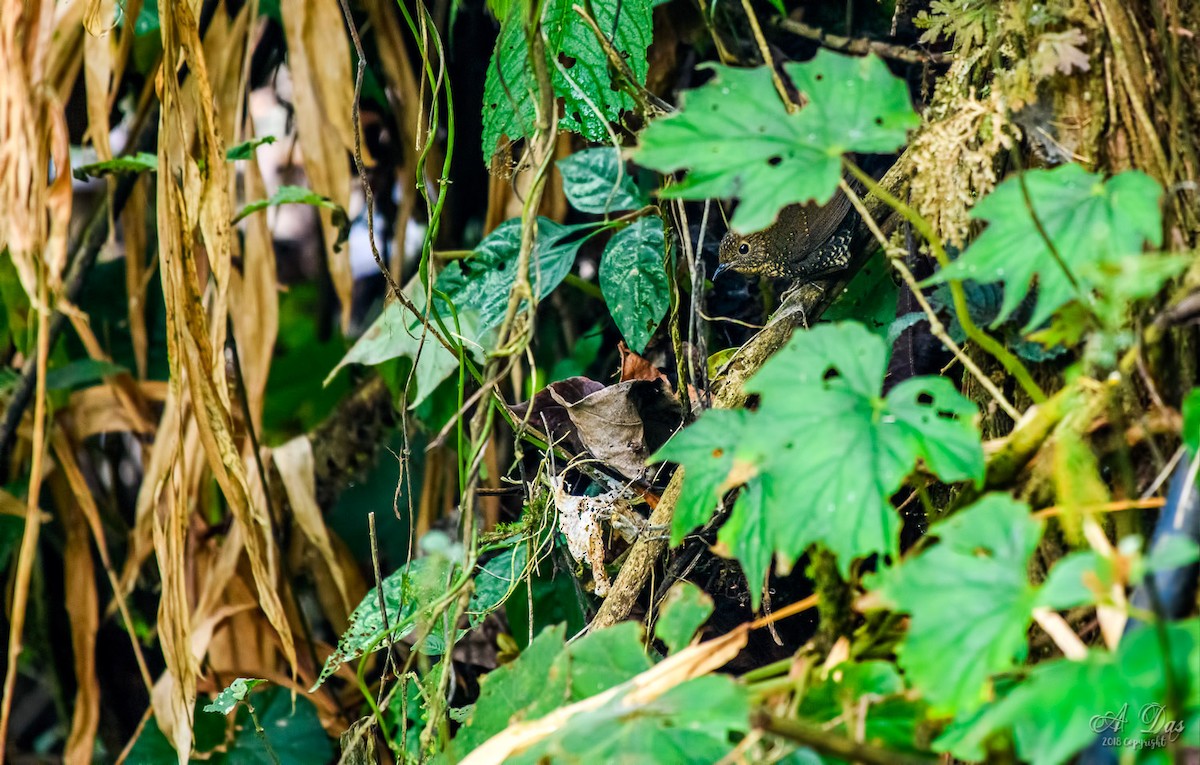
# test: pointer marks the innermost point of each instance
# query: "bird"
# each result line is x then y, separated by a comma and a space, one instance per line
805, 242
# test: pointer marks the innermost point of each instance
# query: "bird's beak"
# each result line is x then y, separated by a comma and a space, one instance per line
722, 268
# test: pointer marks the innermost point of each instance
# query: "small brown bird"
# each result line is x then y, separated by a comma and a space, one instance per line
805, 242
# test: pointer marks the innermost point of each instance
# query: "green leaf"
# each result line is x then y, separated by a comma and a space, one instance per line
706, 450
520, 690
141, 162
237, 691
970, 601
876, 691
603, 658
483, 281
857, 447
736, 138
293, 731
588, 79
11, 529
870, 298
298, 195
153, 748
510, 91
685, 609
1064, 705
1067, 585
81, 372
14, 305
595, 181
547, 676
496, 581
690, 723
245, 149
408, 595
832, 485
1191, 422
397, 333
1090, 221
634, 281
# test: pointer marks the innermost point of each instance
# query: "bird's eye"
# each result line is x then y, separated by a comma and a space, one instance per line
743, 249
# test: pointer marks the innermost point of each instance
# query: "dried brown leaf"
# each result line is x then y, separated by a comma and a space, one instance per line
195, 337
133, 226
82, 606
637, 367
85, 504
294, 461
319, 58
256, 294
98, 62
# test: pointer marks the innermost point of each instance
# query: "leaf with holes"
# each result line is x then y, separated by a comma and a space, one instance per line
634, 281
409, 595
237, 691
577, 66
823, 453
736, 138
590, 97
977, 572
1091, 222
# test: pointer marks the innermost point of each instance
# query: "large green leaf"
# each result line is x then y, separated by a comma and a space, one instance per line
634, 281
583, 83
970, 601
690, 723
823, 453
1089, 220
706, 450
291, 728
290, 725
548, 675
736, 138
520, 690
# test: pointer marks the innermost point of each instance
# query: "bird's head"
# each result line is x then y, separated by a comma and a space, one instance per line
746, 254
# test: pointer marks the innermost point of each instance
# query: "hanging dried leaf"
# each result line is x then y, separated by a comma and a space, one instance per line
294, 461
322, 85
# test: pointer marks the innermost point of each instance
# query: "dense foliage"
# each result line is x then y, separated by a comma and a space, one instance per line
323, 435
